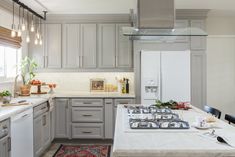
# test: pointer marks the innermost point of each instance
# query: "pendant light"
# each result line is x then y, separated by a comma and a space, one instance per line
19, 33
23, 26
27, 37
32, 29
40, 32
13, 32
37, 32
36, 35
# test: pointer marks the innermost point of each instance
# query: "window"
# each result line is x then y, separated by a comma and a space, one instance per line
9, 62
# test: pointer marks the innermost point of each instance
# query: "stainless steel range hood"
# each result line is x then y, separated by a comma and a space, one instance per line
157, 18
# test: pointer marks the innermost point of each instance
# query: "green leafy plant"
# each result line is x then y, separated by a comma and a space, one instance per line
28, 67
5, 93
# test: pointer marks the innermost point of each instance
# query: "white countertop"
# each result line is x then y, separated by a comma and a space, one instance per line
149, 143
34, 100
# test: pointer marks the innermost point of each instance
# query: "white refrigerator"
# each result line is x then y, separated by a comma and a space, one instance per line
165, 75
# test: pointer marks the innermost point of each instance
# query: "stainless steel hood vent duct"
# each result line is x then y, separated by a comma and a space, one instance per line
157, 18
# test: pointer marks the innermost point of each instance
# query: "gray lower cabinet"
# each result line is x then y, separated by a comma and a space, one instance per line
87, 118
62, 118
53, 37
5, 147
88, 130
52, 120
41, 127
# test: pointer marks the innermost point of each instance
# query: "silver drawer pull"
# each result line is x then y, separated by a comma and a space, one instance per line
43, 108
87, 103
86, 115
109, 103
86, 132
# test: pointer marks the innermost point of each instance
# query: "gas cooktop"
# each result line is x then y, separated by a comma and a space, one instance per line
152, 117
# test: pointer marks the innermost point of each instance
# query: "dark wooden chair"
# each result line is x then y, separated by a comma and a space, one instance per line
215, 112
230, 119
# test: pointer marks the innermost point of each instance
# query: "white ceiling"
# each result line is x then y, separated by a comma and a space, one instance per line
120, 6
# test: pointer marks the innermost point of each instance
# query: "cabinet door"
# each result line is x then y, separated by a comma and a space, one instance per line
61, 130
107, 45
38, 134
108, 117
71, 45
46, 129
123, 48
88, 46
52, 114
53, 45
5, 147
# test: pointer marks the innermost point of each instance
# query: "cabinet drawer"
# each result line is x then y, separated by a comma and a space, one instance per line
87, 130
123, 101
87, 102
40, 109
85, 114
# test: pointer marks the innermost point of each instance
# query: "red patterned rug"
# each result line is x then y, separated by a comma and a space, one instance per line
83, 151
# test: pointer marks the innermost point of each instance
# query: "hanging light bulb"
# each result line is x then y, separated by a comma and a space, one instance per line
40, 33
27, 37
32, 29
37, 28
19, 33
13, 32
40, 41
23, 26
36, 41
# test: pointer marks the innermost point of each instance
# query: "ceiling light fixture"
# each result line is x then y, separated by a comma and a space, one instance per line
19, 33
13, 32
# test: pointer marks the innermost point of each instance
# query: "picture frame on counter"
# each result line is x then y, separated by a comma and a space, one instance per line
97, 85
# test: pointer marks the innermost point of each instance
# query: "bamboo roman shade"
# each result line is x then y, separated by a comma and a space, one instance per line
7, 40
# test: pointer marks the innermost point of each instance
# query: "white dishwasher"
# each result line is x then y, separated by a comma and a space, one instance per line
22, 134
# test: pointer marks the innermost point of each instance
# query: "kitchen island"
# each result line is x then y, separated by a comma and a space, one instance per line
170, 143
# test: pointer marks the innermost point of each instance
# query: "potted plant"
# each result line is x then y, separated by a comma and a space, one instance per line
28, 66
5, 96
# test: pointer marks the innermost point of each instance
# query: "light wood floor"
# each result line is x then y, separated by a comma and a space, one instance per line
56, 144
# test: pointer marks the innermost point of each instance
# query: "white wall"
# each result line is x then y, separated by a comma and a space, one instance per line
221, 63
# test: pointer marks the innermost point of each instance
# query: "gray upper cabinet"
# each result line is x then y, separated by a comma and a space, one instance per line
198, 42
107, 45
123, 48
53, 46
71, 45
88, 46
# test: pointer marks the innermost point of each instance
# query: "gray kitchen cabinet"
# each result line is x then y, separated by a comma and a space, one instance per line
108, 118
71, 46
87, 114
107, 45
88, 130
5, 147
124, 53
88, 46
46, 129
38, 136
198, 42
61, 126
52, 121
53, 34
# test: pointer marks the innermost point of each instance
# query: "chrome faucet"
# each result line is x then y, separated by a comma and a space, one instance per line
16, 92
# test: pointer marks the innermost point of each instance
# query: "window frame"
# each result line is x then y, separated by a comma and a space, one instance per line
4, 78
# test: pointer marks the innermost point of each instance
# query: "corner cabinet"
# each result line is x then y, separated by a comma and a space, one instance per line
115, 50
53, 59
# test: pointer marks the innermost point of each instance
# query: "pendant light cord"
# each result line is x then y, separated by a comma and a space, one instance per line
13, 8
